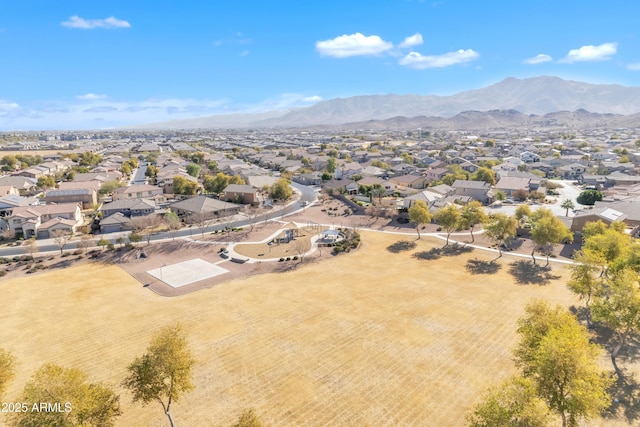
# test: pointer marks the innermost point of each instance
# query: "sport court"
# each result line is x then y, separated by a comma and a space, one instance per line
187, 272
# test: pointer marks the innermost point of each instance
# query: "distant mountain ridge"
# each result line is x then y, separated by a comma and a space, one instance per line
532, 96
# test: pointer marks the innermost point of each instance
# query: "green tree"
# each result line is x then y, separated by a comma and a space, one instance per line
247, 418
81, 403
281, 190
89, 159
151, 172
236, 179
500, 227
7, 369
554, 351
135, 237
46, 181
182, 185
485, 174
589, 197
198, 157
473, 214
619, 308
103, 243
584, 280
331, 165
448, 217
514, 403
547, 231
608, 247
419, 214
567, 204
164, 372
194, 169
109, 187
215, 184
9, 160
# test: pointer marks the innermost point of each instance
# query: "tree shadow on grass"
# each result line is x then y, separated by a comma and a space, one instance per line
435, 253
625, 396
527, 273
477, 266
401, 246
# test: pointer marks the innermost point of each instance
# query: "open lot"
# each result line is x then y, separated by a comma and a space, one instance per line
397, 333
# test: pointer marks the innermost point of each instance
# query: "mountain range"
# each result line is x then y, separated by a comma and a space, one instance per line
538, 101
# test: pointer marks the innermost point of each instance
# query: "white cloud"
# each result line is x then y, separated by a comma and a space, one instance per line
421, 62
538, 59
244, 53
414, 40
314, 98
602, 52
87, 24
8, 105
91, 96
634, 67
353, 45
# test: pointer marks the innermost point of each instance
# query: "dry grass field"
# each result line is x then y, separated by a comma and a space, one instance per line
33, 152
379, 337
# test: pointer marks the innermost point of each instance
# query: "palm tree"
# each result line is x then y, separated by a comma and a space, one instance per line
567, 204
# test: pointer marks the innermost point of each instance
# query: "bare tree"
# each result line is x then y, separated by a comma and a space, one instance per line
31, 247
254, 214
301, 247
61, 237
145, 225
173, 223
85, 242
201, 220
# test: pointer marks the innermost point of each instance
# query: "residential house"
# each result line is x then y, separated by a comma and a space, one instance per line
509, 185
436, 174
529, 157
86, 196
23, 184
137, 191
313, 178
39, 221
204, 206
241, 193
478, 190
129, 208
10, 201
8, 189
427, 196
410, 181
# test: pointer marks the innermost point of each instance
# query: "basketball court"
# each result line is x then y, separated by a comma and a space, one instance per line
187, 272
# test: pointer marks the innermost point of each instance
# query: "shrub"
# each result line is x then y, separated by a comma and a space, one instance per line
337, 249
3, 273
295, 258
66, 254
281, 259
77, 252
110, 246
288, 259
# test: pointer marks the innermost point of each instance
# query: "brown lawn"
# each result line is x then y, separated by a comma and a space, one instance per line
372, 338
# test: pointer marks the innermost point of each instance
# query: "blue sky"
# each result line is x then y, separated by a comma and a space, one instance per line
97, 64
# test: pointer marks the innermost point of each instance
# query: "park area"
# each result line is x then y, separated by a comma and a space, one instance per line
399, 332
